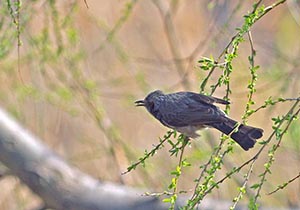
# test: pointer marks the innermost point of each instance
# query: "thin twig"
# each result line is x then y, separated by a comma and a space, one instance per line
241, 192
172, 41
86, 4
148, 154
120, 22
180, 161
225, 50
264, 174
253, 159
19, 39
280, 187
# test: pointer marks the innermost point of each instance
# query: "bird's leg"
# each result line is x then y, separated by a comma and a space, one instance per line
185, 141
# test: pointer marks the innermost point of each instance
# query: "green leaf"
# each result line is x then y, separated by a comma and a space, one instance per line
64, 93
255, 186
166, 200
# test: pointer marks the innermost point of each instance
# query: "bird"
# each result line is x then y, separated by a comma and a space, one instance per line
189, 112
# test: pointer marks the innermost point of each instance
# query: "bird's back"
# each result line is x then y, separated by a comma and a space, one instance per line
186, 108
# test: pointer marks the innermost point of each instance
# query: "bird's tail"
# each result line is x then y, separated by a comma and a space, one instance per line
245, 135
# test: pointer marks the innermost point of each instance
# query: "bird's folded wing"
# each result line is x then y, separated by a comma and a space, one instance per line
206, 99
201, 115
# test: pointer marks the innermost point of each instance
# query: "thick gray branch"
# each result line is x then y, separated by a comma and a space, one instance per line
60, 185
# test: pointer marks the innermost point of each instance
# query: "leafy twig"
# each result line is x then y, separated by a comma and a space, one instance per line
149, 154
111, 34
251, 85
290, 116
242, 190
205, 190
282, 186
15, 15
181, 163
250, 19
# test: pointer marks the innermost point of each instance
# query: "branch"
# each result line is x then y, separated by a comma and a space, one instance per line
58, 184
173, 41
282, 186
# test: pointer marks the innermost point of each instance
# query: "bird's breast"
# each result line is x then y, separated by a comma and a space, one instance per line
191, 130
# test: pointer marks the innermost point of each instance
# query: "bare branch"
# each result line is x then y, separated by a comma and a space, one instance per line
172, 40
60, 185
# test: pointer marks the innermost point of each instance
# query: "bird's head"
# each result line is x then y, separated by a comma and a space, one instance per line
151, 101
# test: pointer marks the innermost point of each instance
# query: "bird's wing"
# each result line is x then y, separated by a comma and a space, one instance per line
190, 112
206, 99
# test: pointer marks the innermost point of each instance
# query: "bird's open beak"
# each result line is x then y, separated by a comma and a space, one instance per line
140, 103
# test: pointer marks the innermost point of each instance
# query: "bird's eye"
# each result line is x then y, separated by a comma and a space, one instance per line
151, 105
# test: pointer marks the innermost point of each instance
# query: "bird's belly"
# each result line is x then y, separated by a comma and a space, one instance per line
190, 131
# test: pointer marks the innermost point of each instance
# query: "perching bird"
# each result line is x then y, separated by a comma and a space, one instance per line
188, 112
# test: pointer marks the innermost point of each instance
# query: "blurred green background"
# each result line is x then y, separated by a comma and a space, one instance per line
77, 71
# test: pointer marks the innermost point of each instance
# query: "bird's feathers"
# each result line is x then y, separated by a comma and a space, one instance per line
189, 108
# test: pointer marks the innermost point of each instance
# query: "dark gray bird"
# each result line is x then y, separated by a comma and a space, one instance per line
188, 112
